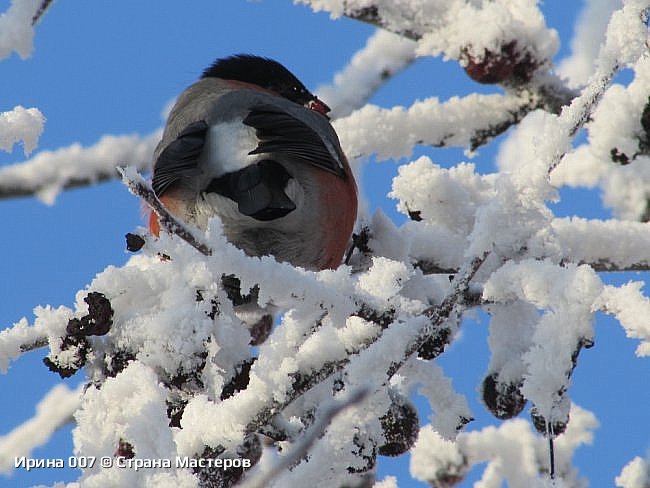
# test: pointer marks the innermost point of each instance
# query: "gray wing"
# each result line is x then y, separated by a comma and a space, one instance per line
279, 132
179, 159
282, 128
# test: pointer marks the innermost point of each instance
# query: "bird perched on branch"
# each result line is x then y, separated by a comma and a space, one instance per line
250, 144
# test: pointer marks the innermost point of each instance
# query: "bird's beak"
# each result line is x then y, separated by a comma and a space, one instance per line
318, 105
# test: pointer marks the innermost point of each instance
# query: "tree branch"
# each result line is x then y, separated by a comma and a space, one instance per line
304, 443
140, 188
49, 172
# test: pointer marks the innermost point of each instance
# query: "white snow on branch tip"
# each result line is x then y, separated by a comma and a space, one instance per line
54, 410
21, 124
616, 156
383, 55
631, 309
475, 29
635, 474
513, 452
50, 323
16, 30
49, 172
589, 34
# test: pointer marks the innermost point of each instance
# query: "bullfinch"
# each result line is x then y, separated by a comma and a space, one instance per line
250, 144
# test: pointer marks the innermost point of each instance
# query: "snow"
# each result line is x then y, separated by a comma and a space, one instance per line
431, 122
384, 55
21, 124
635, 474
513, 452
16, 30
130, 407
616, 126
54, 410
631, 309
589, 35
48, 172
185, 339
501, 21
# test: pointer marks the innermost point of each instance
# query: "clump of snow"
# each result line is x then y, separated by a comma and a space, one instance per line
129, 408
588, 36
16, 30
511, 330
635, 474
444, 197
501, 21
435, 458
384, 279
21, 124
387, 482
513, 452
449, 408
631, 309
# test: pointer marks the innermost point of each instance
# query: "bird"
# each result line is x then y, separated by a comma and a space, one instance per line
250, 144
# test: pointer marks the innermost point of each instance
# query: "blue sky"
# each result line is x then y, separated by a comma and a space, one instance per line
111, 67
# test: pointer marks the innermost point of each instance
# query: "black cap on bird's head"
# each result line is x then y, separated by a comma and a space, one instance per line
268, 74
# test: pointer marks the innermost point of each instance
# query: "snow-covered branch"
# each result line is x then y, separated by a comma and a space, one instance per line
53, 411
470, 121
520, 60
383, 56
49, 172
16, 28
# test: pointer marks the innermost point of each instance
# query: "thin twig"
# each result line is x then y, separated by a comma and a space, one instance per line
37, 343
141, 188
302, 446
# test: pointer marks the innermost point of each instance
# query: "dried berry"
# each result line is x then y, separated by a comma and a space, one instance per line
504, 400
509, 65
401, 426
542, 426
125, 450
434, 346
134, 242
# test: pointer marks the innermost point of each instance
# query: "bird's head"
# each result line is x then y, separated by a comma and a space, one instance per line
268, 74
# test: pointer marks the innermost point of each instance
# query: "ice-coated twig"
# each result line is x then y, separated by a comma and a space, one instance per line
305, 442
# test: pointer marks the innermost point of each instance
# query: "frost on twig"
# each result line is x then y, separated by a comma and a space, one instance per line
383, 56
52, 412
171, 224
49, 172
171, 368
16, 28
